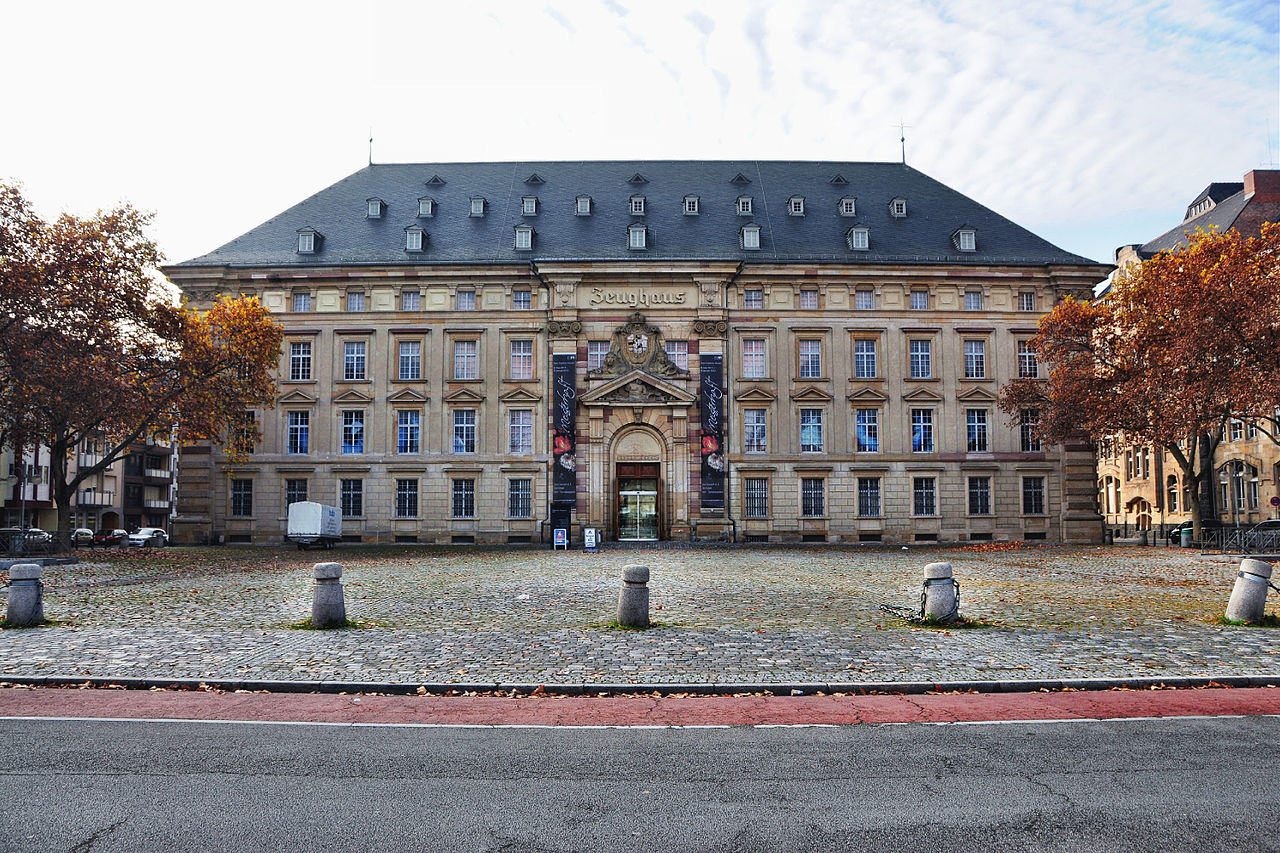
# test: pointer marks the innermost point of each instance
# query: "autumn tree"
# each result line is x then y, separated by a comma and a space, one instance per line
93, 346
1179, 345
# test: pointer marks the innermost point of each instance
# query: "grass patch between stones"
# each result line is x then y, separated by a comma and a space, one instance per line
615, 625
6, 625
1269, 620
306, 625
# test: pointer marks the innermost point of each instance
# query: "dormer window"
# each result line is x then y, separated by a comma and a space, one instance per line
750, 236
691, 205
426, 206
309, 241
848, 206
966, 240
375, 207
859, 238
637, 237
744, 205
637, 205
529, 205
583, 206
795, 205
524, 238
898, 208
414, 239
478, 205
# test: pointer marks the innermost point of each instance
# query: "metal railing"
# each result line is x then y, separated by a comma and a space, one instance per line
1241, 540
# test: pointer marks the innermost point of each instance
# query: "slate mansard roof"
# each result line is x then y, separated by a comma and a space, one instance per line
926, 234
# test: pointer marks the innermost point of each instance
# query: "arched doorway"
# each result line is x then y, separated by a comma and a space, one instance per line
636, 463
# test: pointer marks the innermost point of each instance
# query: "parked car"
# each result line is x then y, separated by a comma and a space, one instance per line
1263, 537
147, 537
82, 536
30, 540
110, 537
1175, 533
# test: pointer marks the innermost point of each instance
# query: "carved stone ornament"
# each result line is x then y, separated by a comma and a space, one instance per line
565, 327
637, 346
710, 328
564, 292
636, 391
710, 292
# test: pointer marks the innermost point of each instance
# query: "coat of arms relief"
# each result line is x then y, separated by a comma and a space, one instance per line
637, 346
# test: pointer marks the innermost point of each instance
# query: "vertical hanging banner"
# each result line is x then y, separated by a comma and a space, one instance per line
711, 399
564, 411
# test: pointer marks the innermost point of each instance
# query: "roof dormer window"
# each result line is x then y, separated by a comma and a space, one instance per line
529, 205
524, 238
309, 241
637, 205
691, 205
375, 208
848, 206
858, 238
414, 238
478, 205
750, 237
744, 205
583, 206
426, 206
965, 239
637, 237
795, 205
898, 208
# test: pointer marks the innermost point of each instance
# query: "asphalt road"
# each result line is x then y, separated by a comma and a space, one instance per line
1172, 784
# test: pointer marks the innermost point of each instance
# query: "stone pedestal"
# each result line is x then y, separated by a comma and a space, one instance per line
941, 594
328, 606
26, 595
633, 600
1249, 596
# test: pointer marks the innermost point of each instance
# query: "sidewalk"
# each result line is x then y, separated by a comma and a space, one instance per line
770, 616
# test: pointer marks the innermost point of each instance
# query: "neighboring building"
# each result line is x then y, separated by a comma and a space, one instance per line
1141, 488
782, 351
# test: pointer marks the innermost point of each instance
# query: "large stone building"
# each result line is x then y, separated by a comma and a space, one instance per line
780, 351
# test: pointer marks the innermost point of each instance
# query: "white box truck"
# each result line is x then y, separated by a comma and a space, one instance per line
311, 523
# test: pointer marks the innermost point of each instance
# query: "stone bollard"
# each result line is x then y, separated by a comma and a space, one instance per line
941, 594
1249, 596
1143, 538
26, 595
328, 609
633, 600
1109, 537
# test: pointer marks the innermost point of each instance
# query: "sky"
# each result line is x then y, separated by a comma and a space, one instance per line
1092, 123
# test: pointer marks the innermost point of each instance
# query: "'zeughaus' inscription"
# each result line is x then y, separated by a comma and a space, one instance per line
634, 298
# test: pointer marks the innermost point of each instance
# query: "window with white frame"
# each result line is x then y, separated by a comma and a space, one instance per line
859, 238
355, 300
582, 206
921, 359
977, 430
637, 205
521, 299
795, 205
975, 359
750, 236
375, 208
755, 437
477, 206
306, 242
755, 497
529, 206
811, 430
678, 353
520, 498
1236, 428
973, 300
752, 298
1033, 495
865, 361
966, 240
753, 358
1027, 301
353, 361
868, 497
596, 352
1028, 365
301, 302
300, 361
864, 299
867, 430
466, 360
352, 498
464, 431
691, 205
636, 237
813, 497
408, 431
406, 498
353, 431
922, 430
464, 498
1028, 431
1251, 430
426, 206
898, 208
410, 300
979, 496
810, 355
924, 496
520, 432
298, 432
410, 366
466, 300
524, 238
521, 359
413, 239
848, 206
242, 497
1171, 494
809, 300
919, 300
744, 205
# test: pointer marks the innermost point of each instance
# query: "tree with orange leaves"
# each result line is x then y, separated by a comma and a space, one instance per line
1178, 346
93, 348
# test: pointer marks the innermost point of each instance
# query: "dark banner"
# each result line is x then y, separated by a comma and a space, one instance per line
564, 410
711, 399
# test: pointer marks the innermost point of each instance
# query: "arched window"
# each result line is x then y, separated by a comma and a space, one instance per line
1171, 498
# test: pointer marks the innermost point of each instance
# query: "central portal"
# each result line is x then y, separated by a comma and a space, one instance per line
638, 501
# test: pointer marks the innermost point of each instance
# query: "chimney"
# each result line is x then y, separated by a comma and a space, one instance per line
1263, 185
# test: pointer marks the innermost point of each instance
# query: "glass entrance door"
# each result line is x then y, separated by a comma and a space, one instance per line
637, 509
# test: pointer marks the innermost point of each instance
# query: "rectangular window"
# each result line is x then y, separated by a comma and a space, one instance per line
922, 430
755, 497
744, 205
1237, 429
520, 432
637, 205
406, 498
524, 238
1251, 430
754, 434
300, 361
466, 363
751, 237
1026, 301
1028, 366
353, 431
975, 359
584, 205
864, 360
464, 431
295, 491
596, 352
245, 434
298, 439
412, 243
864, 300
678, 353
979, 496
522, 300
520, 498
811, 430
753, 298
753, 363
352, 498
466, 300
921, 359
464, 498
408, 431
919, 300
306, 243
635, 237
810, 359
691, 205
868, 430
522, 360
302, 302
977, 432
924, 496
529, 205
353, 360
1033, 495
410, 361
355, 301
809, 300
1028, 425
813, 497
868, 497
973, 300
411, 300
241, 497
426, 207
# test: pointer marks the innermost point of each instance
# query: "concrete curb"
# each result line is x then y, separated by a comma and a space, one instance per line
795, 689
